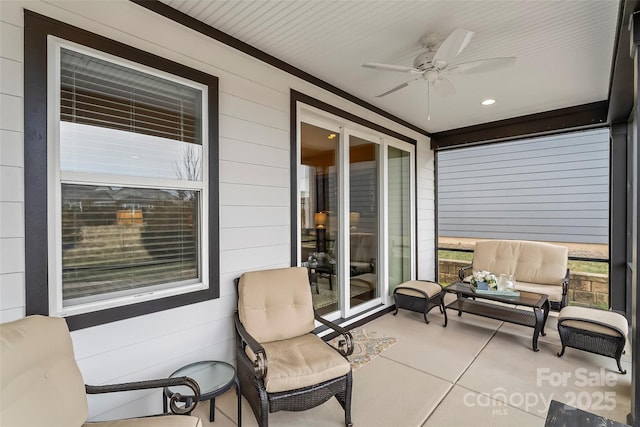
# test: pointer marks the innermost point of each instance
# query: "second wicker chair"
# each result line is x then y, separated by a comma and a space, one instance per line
282, 364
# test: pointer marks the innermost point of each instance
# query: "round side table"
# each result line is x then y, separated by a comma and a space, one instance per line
213, 377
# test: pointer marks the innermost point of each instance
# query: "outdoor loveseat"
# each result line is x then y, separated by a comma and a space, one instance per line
537, 267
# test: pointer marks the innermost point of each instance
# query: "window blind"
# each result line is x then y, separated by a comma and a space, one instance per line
101, 93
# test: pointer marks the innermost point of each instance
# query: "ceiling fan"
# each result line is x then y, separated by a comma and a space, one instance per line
436, 62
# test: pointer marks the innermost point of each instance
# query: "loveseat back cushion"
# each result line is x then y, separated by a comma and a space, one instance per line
276, 304
533, 262
41, 382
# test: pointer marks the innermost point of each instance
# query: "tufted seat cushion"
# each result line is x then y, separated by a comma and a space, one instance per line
554, 292
276, 304
300, 362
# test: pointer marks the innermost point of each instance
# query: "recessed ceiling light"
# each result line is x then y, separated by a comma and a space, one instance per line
333, 135
488, 101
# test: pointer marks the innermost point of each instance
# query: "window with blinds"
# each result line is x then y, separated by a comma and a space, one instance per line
131, 182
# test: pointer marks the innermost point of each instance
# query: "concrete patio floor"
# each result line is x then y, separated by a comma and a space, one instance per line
474, 372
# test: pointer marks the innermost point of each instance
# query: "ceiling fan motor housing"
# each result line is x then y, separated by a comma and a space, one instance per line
423, 61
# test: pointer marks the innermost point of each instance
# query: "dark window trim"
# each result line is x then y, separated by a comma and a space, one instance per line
36, 30
296, 97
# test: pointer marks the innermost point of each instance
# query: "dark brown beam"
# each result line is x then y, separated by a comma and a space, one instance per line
556, 121
621, 85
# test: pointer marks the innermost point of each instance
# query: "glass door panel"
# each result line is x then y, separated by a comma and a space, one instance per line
318, 186
364, 220
399, 216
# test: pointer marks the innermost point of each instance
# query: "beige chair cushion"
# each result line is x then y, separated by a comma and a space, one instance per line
276, 304
554, 292
300, 362
532, 262
41, 383
167, 421
430, 288
570, 316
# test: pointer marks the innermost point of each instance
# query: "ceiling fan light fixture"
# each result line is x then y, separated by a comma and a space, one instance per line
488, 101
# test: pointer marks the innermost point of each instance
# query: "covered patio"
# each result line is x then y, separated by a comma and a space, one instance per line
474, 372
247, 215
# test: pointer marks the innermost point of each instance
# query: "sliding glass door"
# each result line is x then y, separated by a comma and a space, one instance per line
355, 192
399, 215
364, 219
318, 182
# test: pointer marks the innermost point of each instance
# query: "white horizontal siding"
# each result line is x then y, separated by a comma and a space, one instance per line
237, 238
255, 112
12, 299
242, 130
10, 77
11, 220
549, 189
249, 195
254, 173
10, 39
253, 153
11, 148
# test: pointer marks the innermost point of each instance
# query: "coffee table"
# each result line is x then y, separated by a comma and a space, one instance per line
469, 301
213, 377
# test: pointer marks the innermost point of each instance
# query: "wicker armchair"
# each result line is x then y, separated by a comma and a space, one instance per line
281, 364
42, 385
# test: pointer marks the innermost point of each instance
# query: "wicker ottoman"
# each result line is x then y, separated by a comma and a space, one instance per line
596, 331
420, 296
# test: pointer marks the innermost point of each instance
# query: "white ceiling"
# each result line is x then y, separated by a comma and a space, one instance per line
564, 49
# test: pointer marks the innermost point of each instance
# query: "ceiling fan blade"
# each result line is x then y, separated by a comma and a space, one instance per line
482, 66
390, 67
451, 47
397, 88
443, 87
